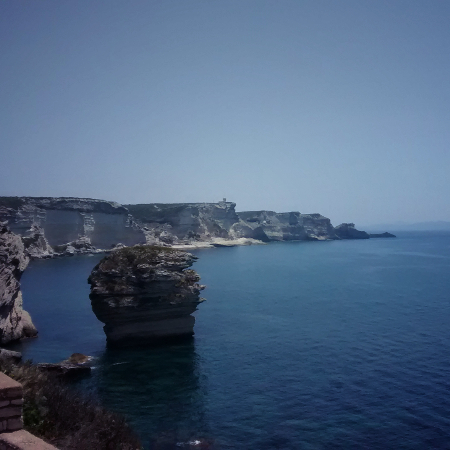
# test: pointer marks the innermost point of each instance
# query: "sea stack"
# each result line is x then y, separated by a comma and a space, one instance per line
15, 323
145, 294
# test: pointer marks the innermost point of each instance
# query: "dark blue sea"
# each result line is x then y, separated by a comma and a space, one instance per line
303, 345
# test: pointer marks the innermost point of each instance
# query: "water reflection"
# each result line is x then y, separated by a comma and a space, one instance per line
161, 391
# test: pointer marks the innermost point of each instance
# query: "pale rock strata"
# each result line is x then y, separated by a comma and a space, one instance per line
65, 223
36, 244
66, 219
269, 226
145, 294
15, 323
186, 221
194, 225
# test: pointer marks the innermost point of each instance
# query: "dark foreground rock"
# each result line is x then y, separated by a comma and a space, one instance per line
145, 294
77, 365
65, 370
348, 231
15, 323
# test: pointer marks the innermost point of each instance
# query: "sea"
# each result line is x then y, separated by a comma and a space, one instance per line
299, 345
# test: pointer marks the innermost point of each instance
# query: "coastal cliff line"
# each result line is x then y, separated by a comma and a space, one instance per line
54, 226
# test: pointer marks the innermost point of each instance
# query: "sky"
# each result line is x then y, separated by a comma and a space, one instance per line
337, 107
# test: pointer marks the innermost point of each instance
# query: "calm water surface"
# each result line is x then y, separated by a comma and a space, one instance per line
306, 345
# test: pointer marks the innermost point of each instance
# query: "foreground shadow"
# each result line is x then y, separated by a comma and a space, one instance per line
160, 390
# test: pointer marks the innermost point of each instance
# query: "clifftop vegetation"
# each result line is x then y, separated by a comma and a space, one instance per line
128, 258
65, 418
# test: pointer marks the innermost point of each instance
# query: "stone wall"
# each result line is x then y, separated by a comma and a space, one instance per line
10, 404
22, 440
12, 436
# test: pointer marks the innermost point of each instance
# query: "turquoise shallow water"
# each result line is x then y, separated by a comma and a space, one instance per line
306, 345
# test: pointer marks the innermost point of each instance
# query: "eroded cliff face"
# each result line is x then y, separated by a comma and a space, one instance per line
52, 226
271, 226
65, 220
174, 223
200, 221
15, 323
36, 244
145, 294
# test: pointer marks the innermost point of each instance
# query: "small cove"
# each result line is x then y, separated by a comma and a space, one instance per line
302, 345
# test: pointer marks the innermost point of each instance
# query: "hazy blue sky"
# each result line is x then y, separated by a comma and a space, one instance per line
338, 107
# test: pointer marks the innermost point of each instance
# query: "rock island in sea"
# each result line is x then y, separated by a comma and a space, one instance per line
145, 294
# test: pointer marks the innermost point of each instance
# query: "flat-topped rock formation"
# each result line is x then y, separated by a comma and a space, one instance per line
15, 323
145, 294
271, 226
88, 205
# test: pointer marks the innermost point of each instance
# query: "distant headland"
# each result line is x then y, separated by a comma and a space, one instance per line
56, 226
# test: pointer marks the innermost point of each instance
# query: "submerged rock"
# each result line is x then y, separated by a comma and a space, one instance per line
79, 359
77, 365
15, 323
80, 246
145, 294
65, 370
